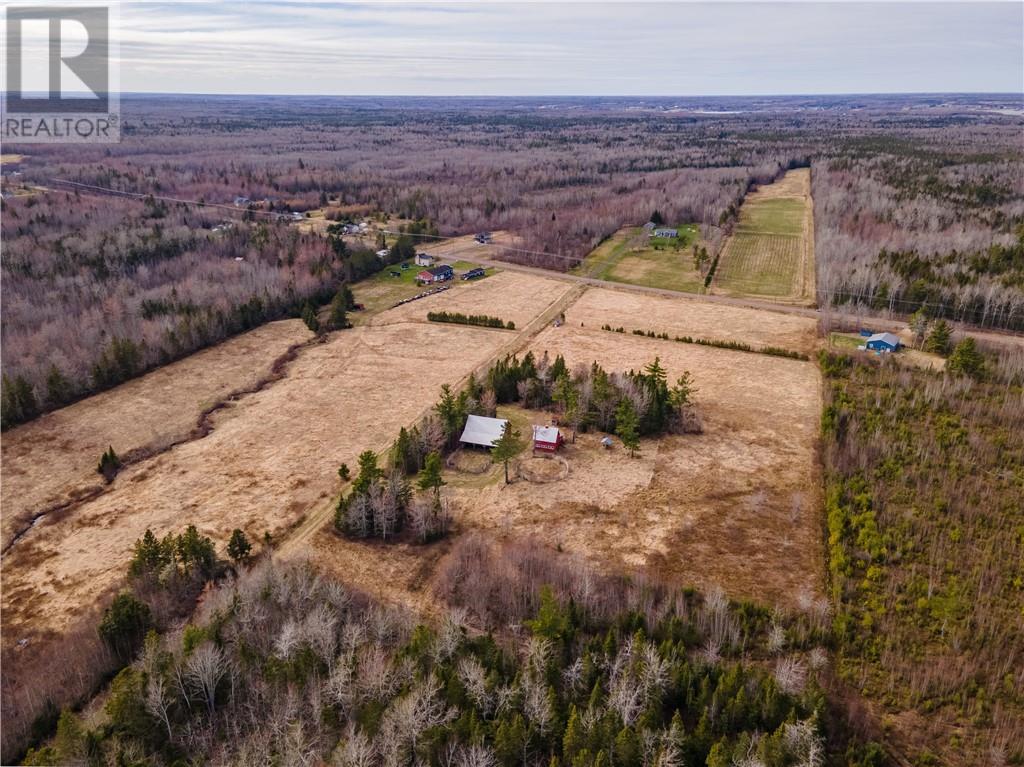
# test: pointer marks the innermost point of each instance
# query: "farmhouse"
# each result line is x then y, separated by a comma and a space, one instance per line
483, 431
883, 342
669, 233
424, 259
441, 273
547, 439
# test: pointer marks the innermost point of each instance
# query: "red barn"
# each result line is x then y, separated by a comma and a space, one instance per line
547, 439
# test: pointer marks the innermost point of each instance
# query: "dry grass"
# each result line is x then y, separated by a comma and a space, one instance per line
736, 506
52, 460
681, 317
508, 295
270, 457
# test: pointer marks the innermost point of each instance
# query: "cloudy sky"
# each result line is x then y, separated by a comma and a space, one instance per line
491, 48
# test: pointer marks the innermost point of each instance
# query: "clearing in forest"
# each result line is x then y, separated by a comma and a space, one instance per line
737, 506
771, 251
268, 460
631, 257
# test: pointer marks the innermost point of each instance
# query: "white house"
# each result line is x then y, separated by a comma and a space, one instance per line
424, 259
483, 431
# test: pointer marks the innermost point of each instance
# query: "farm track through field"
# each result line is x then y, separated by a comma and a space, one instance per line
319, 516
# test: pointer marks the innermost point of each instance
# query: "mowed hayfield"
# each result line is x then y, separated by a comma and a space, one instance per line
267, 460
631, 257
770, 252
736, 507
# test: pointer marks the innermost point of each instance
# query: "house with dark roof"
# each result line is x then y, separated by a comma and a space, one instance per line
441, 273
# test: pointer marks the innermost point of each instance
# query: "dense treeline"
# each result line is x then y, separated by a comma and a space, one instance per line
926, 216
925, 513
283, 665
481, 320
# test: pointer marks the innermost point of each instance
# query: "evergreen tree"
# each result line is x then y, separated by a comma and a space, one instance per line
430, 478
125, 624
966, 360
339, 309
627, 425
310, 318
58, 388
369, 472
507, 447
940, 339
657, 219
239, 547
109, 465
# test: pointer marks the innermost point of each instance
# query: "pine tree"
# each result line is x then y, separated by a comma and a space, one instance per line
507, 447
966, 360
627, 424
109, 465
339, 310
430, 478
239, 547
310, 318
939, 340
369, 472
58, 388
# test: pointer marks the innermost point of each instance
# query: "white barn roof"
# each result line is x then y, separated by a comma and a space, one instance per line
545, 434
483, 431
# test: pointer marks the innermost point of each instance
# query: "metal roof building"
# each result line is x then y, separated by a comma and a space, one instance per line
483, 431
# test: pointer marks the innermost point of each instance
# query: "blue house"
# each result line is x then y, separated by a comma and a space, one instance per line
883, 342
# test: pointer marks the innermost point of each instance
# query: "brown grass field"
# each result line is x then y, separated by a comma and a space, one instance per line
682, 317
52, 460
269, 457
771, 251
737, 506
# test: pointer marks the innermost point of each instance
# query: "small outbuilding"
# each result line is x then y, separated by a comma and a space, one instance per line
483, 431
883, 342
383, 253
547, 439
424, 259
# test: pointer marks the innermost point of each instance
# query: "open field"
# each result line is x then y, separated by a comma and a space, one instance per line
52, 460
633, 311
770, 253
630, 257
737, 506
269, 457
508, 295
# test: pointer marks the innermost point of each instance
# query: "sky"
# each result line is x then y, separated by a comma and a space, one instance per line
576, 48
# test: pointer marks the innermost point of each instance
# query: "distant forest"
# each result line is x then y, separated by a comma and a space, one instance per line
918, 207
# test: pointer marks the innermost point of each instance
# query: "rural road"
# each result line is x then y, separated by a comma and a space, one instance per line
838, 319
